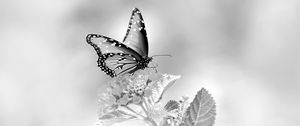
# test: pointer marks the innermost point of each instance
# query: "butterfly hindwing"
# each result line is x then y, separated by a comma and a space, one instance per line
119, 63
136, 36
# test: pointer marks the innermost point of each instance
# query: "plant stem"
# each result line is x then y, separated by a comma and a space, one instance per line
146, 103
145, 111
150, 121
125, 113
131, 110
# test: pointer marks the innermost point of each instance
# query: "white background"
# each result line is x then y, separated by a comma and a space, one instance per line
245, 52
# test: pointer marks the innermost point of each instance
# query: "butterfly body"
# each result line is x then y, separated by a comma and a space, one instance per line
118, 58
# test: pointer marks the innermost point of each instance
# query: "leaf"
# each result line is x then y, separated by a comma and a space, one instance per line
162, 85
171, 105
202, 110
116, 116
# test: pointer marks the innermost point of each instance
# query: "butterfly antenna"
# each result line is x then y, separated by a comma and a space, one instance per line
162, 55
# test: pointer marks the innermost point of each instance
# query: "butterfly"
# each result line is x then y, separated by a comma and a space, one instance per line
118, 58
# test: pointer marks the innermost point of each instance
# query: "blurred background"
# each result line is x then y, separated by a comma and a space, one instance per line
245, 52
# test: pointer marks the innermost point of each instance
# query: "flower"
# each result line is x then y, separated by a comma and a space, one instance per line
123, 100
136, 99
144, 88
106, 102
148, 92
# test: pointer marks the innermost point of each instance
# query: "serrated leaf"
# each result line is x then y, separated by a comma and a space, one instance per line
202, 110
162, 85
116, 116
171, 105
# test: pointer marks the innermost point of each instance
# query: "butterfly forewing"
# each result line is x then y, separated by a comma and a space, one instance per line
136, 36
103, 44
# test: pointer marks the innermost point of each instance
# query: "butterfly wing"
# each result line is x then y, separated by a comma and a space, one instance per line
115, 64
115, 58
136, 36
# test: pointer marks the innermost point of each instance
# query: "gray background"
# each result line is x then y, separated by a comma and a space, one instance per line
245, 52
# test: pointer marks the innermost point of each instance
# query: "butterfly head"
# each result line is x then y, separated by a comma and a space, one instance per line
144, 63
148, 59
